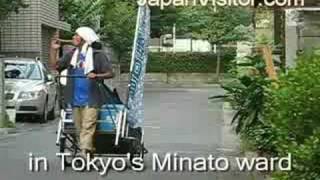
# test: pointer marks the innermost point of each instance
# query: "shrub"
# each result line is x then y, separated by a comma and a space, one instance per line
292, 110
247, 95
183, 62
7, 123
306, 160
294, 105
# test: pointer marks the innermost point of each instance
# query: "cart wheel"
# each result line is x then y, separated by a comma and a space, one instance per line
138, 149
141, 151
66, 146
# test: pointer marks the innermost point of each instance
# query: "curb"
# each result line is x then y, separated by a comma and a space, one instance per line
6, 131
174, 85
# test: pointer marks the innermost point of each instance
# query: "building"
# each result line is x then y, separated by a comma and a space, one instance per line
28, 33
302, 30
180, 44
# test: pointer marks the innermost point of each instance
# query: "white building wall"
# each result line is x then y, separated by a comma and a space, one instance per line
183, 45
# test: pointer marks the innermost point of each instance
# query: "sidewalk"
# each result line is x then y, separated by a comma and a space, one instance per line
231, 143
5, 131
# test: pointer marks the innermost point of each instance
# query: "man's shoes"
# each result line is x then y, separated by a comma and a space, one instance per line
79, 164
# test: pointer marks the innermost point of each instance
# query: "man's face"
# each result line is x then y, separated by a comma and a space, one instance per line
76, 40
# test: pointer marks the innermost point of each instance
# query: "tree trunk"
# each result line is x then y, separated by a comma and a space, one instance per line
218, 61
254, 14
2, 95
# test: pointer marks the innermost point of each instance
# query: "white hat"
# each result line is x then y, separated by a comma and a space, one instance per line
87, 34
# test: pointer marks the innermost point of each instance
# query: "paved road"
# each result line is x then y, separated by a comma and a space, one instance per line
176, 120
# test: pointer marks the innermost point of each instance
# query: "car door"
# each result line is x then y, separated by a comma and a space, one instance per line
50, 86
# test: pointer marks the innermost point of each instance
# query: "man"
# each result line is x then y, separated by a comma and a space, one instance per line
84, 94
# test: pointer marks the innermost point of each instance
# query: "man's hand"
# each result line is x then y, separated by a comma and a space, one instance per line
55, 44
92, 75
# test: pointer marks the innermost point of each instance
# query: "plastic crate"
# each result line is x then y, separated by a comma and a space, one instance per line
108, 117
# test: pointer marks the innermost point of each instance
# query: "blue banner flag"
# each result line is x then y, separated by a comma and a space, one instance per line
138, 68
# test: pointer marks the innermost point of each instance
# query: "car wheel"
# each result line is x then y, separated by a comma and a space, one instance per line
44, 116
52, 114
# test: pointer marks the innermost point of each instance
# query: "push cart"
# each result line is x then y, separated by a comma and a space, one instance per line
114, 137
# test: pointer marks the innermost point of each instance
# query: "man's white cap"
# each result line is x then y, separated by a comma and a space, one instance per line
87, 34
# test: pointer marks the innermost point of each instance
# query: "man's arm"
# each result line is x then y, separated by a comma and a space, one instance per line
104, 70
54, 62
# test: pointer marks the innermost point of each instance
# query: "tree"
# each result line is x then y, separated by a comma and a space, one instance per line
6, 6
81, 13
162, 20
218, 25
119, 25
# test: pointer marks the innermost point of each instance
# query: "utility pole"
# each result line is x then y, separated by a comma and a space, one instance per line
2, 96
174, 37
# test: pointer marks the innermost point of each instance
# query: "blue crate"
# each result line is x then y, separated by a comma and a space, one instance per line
107, 117
106, 125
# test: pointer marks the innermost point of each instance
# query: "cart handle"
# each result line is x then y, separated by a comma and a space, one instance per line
70, 76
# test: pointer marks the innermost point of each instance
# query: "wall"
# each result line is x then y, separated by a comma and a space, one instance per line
310, 33
21, 29
176, 78
27, 33
291, 38
182, 45
301, 35
46, 34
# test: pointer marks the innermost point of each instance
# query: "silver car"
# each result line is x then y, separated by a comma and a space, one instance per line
30, 88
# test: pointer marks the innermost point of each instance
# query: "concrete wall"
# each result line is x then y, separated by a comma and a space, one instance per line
46, 34
176, 78
301, 36
292, 42
310, 33
181, 45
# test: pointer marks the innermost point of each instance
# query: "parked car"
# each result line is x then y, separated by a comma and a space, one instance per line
30, 88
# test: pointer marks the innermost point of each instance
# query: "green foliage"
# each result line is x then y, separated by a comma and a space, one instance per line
81, 13
247, 95
6, 123
183, 62
282, 119
7, 6
217, 26
119, 24
114, 20
294, 105
263, 39
162, 20
292, 112
306, 158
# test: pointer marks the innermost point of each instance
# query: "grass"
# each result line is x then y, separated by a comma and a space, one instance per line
7, 123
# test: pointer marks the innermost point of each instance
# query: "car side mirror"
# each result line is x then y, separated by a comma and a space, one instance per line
49, 78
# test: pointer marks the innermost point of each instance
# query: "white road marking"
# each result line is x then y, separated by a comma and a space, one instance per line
152, 127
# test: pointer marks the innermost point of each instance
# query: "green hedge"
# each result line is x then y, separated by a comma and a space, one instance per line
277, 118
290, 120
292, 110
183, 62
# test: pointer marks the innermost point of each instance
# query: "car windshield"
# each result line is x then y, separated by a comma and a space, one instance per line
22, 71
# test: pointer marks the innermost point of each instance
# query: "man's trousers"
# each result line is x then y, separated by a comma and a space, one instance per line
85, 119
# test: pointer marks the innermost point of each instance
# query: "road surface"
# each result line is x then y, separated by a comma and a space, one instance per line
176, 121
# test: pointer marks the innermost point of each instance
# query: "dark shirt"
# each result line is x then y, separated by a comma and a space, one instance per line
101, 65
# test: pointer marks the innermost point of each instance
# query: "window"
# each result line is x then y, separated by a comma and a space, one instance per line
19, 70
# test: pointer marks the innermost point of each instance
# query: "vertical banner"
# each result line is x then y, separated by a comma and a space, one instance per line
138, 68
